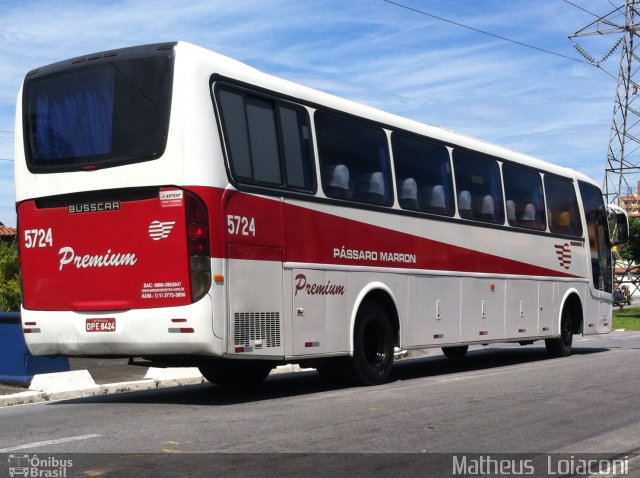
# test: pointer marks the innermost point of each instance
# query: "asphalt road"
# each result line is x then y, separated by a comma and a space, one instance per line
510, 404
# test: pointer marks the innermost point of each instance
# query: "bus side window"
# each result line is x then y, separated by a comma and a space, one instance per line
564, 216
598, 235
525, 201
478, 182
423, 174
268, 143
297, 148
360, 149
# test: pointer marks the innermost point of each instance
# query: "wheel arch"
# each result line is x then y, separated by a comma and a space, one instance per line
573, 302
382, 294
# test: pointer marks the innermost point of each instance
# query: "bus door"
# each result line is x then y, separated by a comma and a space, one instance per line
253, 226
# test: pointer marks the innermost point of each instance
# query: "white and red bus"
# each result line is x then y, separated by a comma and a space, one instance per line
179, 207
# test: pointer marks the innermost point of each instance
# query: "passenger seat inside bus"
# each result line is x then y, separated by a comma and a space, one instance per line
437, 203
464, 204
369, 187
336, 181
529, 217
488, 211
408, 195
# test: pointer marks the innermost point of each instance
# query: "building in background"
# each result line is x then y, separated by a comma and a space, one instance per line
7, 233
631, 203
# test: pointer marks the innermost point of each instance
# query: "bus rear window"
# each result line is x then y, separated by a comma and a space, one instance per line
110, 113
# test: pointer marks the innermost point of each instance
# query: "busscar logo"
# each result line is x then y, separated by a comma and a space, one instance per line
160, 230
94, 207
563, 251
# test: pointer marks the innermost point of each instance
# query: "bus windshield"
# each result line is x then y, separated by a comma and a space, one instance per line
87, 116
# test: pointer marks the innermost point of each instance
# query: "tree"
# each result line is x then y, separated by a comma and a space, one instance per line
10, 293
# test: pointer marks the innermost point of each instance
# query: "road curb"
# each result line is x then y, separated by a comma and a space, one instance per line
51, 387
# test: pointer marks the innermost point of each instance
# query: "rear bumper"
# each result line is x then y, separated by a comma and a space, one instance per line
162, 331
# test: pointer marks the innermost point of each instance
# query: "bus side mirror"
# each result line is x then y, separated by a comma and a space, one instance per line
618, 225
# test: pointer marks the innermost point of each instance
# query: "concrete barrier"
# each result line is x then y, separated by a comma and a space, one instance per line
17, 364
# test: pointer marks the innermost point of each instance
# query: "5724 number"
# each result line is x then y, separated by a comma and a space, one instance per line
241, 225
38, 238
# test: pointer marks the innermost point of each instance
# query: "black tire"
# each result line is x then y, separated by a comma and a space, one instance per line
561, 346
372, 345
236, 373
456, 352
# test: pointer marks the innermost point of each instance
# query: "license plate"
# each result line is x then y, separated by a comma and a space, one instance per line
101, 325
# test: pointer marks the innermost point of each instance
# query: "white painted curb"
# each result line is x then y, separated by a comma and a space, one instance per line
173, 373
62, 382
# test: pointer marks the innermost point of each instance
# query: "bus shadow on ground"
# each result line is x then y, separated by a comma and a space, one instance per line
479, 359
309, 382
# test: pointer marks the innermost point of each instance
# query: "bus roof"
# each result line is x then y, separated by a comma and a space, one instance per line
237, 70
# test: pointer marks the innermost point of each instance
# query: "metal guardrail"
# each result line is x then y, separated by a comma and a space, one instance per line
10, 318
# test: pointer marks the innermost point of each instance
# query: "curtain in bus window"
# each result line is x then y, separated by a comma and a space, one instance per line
447, 184
383, 158
496, 193
74, 116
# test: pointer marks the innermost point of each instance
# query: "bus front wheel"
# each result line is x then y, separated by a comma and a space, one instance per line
372, 345
561, 346
236, 373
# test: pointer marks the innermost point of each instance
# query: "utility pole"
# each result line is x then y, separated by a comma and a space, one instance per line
623, 155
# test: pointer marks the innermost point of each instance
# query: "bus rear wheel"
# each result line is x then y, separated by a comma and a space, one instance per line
236, 373
561, 346
372, 345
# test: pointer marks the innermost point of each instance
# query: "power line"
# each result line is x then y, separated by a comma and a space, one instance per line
6, 159
580, 8
484, 32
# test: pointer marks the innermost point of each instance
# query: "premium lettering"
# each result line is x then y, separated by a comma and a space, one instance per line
317, 289
68, 257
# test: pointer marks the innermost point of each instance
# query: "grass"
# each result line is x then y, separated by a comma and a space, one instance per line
628, 319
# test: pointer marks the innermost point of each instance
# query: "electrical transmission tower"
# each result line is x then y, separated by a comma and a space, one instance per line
623, 156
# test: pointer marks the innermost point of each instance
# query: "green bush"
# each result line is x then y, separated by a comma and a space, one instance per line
10, 295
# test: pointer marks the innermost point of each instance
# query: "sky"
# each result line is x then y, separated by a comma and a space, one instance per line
398, 58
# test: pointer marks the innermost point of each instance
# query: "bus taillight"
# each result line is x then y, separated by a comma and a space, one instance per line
199, 251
